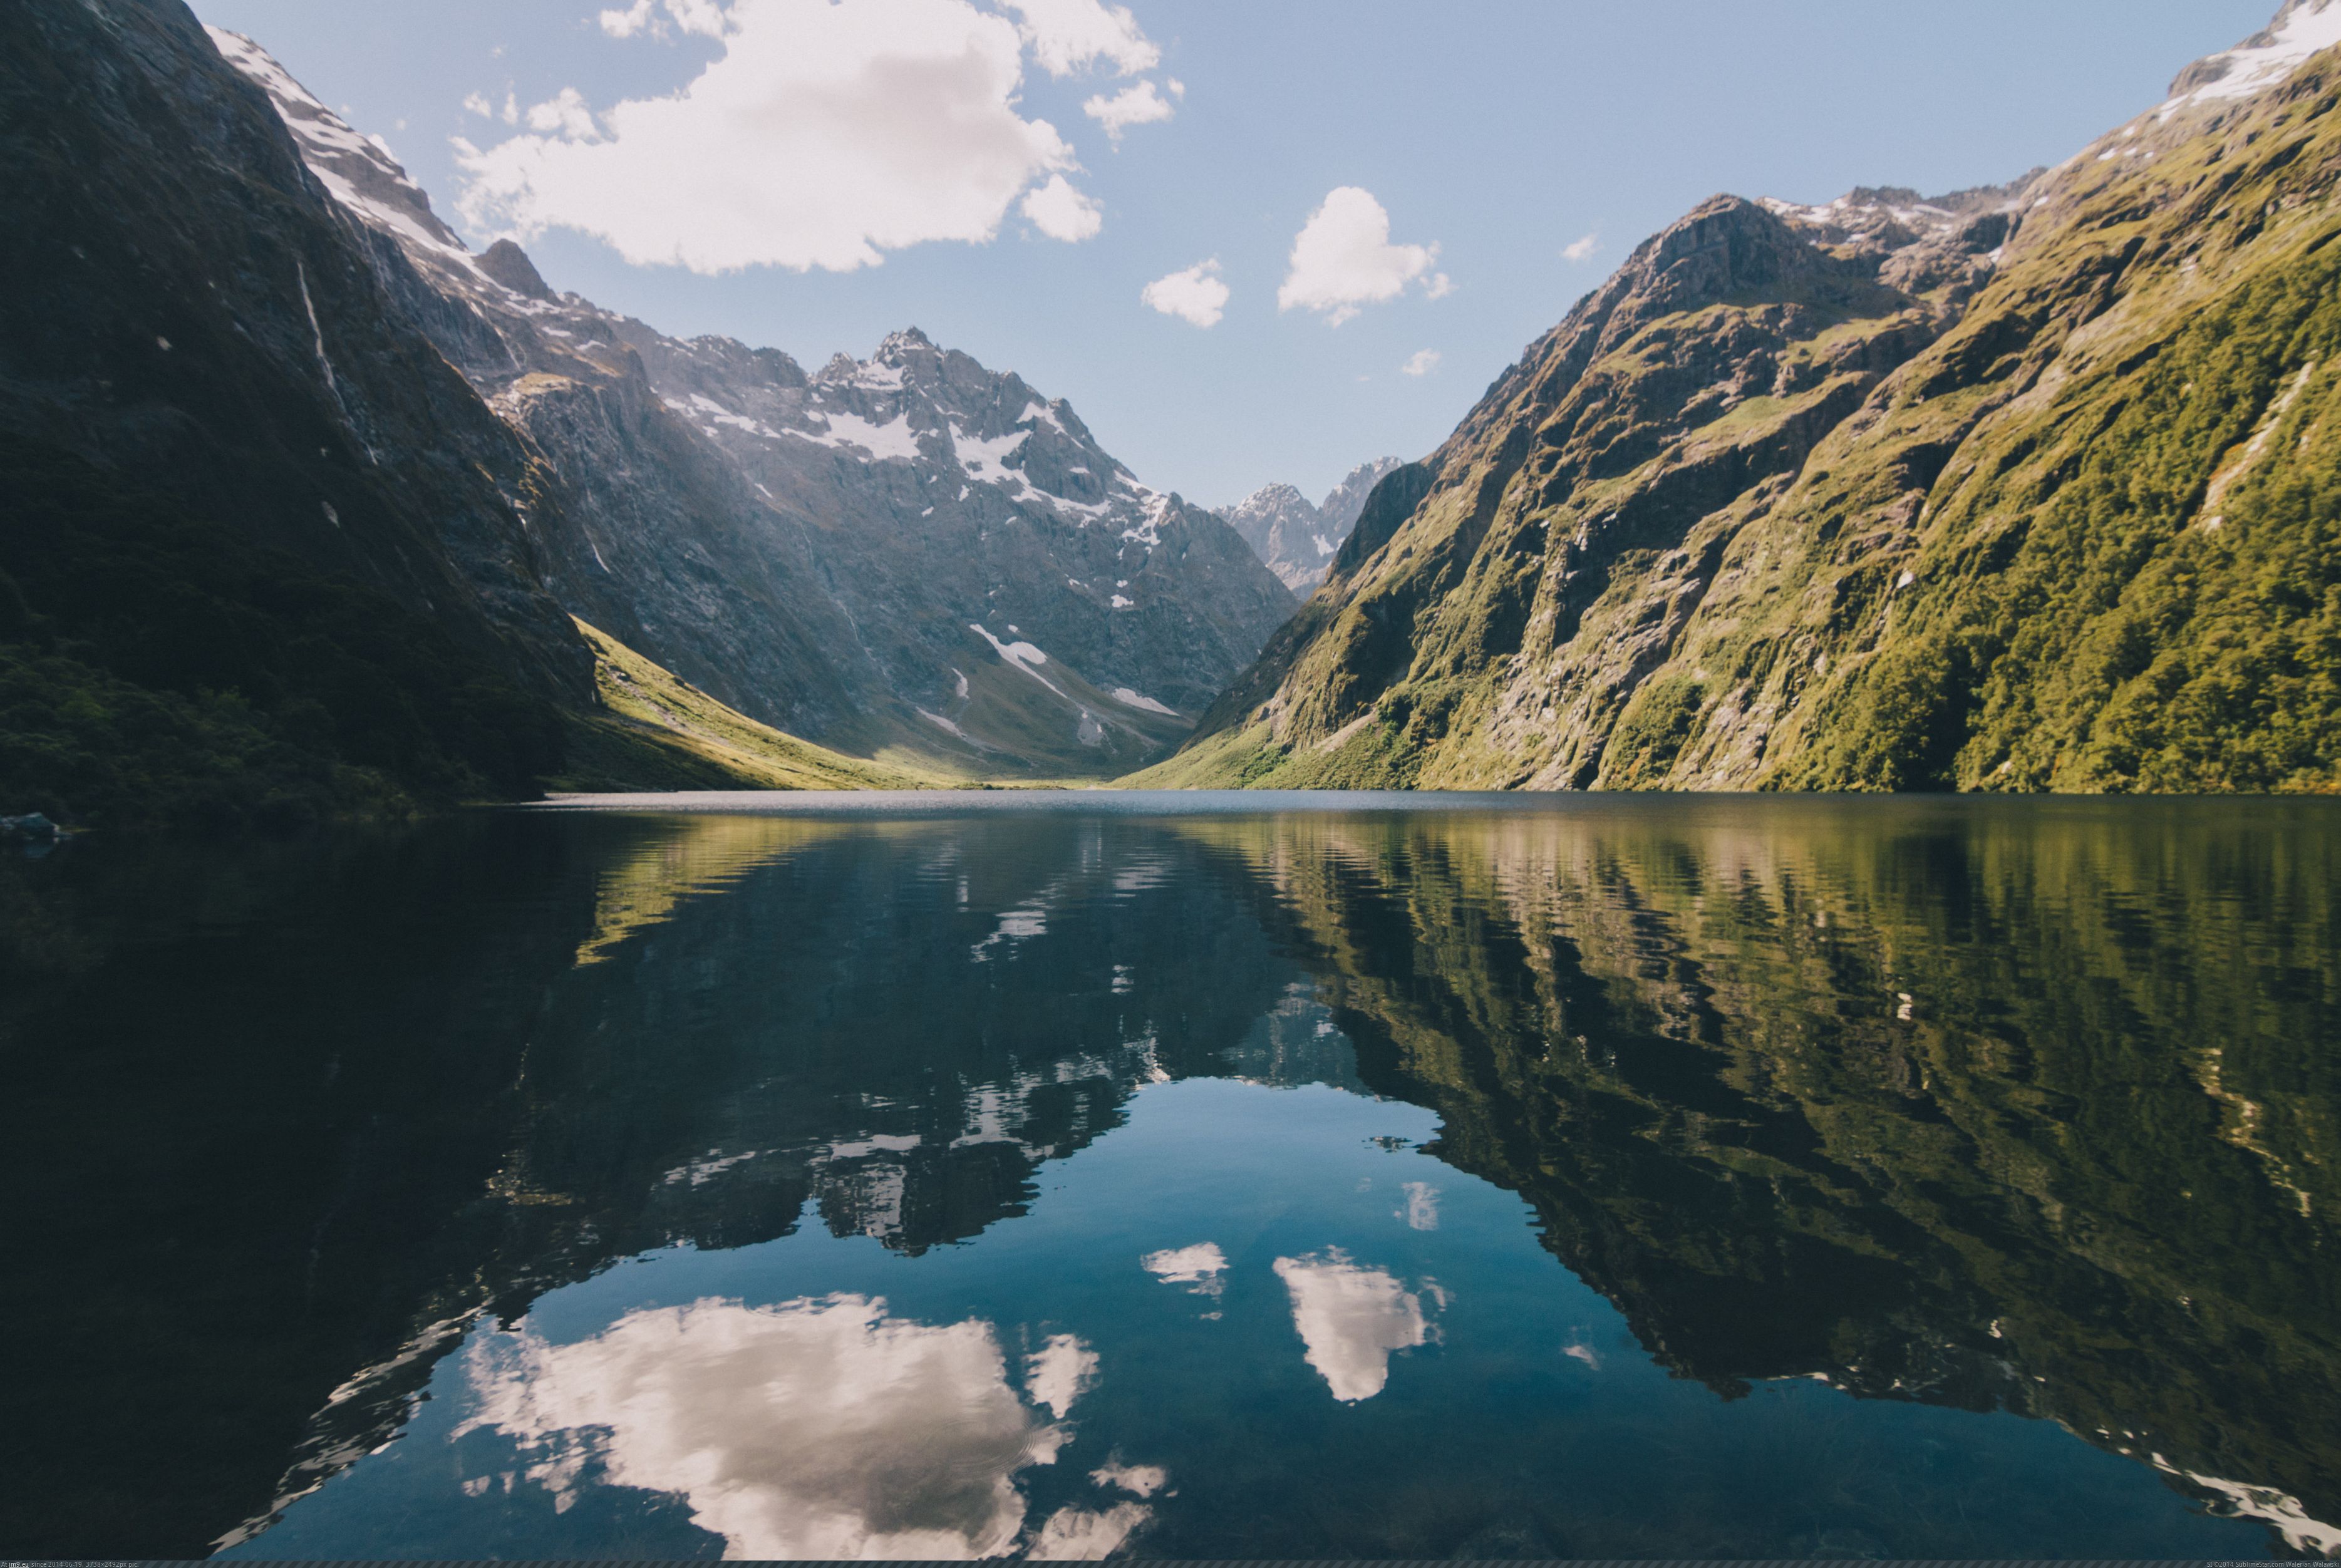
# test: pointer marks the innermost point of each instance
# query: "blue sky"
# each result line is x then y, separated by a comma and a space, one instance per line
1499, 132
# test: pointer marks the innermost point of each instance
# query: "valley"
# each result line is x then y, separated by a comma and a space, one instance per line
622, 944
2024, 487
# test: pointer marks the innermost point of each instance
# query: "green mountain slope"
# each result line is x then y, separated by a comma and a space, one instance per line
2028, 489
656, 732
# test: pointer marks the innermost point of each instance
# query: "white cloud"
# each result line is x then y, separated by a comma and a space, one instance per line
627, 23
1069, 34
1581, 250
704, 17
1195, 296
477, 103
565, 116
1143, 105
1342, 259
818, 1429
1421, 364
1062, 213
1350, 1319
1421, 1210
828, 133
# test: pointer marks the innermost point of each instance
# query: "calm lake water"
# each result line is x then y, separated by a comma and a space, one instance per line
1189, 1177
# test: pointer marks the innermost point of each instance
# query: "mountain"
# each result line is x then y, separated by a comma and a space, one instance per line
1297, 540
659, 733
2025, 488
269, 557
1346, 503
909, 557
266, 554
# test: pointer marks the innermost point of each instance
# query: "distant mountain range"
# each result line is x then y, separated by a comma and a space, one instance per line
2023, 489
1297, 540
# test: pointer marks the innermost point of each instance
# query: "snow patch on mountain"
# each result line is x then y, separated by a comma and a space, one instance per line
1128, 698
1023, 656
2302, 29
893, 441
986, 461
357, 170
1149, 531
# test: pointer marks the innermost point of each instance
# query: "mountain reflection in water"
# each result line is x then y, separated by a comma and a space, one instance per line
1757, 1178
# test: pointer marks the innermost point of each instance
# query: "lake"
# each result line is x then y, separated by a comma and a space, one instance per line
1204, 1176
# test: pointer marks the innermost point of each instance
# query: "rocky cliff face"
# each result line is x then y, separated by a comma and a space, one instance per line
1296, 539
911, 555
2022, 489
266, 554
188, 312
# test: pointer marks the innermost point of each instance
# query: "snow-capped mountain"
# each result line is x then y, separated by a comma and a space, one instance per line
1299, 539
910, 553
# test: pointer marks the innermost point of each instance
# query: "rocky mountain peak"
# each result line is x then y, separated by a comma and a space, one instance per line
358, 171
904, 344
1892, 218
1271, 498
2301, 28
1724, 245
1341, 506
508, 264
1299, 539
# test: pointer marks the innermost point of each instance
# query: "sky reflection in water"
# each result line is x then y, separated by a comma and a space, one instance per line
1725, 1178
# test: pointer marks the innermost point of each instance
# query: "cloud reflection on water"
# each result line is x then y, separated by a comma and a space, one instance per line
815, 1429
1350, 1318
